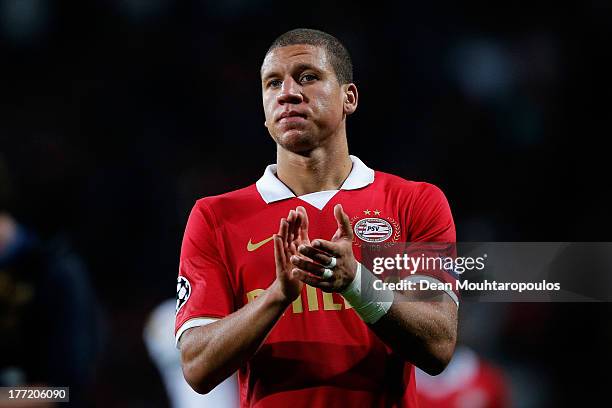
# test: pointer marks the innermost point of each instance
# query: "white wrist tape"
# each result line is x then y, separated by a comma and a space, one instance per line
369, 303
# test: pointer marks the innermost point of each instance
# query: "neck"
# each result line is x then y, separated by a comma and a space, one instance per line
323, 168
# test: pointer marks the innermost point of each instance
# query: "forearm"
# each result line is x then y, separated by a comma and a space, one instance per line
420, 326
423, 332
211, 353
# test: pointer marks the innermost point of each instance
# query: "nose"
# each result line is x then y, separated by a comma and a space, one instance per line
290, 92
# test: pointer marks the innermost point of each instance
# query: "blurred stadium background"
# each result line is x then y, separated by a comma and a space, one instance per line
117, 115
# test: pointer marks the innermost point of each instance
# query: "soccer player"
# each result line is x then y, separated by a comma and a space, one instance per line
286, 309
468, 381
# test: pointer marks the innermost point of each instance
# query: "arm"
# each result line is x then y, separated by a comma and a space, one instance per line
422, 331
211, 353
419, 326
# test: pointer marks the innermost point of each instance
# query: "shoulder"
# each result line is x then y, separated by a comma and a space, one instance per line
414, 190
425, 208
231, 203
237, 197
211, 214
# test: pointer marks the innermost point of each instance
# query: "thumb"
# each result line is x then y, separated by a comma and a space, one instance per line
344, 224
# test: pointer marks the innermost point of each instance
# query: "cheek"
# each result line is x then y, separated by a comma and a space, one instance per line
329, 106
268, 107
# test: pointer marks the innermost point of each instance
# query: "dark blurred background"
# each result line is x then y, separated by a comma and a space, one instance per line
117, 115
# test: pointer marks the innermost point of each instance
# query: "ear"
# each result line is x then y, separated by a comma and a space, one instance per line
351, 98
265, 123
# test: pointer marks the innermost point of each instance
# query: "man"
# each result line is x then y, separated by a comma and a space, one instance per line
159, 341
290, 315
49, 317
468, 381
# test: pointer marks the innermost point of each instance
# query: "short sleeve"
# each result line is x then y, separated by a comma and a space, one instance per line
432, 235
203, 287
430, 217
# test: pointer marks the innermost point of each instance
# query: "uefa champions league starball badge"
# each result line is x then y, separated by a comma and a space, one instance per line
183, 291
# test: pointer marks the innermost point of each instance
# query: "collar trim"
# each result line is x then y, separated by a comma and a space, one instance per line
272, 189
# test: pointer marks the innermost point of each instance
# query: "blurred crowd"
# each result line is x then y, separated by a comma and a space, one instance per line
117, 115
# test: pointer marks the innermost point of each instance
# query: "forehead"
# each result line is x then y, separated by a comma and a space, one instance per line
290, 56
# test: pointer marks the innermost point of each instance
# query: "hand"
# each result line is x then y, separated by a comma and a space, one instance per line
311, 259
289, 287
301, 235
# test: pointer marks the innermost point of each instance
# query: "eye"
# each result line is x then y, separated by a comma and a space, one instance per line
308, 78
274, 83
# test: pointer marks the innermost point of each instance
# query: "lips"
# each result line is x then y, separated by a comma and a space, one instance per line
291, 116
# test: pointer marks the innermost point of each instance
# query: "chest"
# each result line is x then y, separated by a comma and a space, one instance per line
250, 254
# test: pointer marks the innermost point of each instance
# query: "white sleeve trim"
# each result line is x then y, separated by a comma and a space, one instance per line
430, 279
198, 321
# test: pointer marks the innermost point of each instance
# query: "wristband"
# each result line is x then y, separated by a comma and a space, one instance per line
370, 304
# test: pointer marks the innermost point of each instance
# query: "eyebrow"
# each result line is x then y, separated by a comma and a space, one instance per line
300, 67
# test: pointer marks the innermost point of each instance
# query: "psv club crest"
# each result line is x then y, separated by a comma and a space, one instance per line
374, 228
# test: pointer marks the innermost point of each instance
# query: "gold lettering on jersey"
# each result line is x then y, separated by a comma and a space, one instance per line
347, 304
312, 299
297, 305
311, 296
252, 295
328, 302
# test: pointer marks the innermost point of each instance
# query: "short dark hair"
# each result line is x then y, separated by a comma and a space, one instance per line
339, 55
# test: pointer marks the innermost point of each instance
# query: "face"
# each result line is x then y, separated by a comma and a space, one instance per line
303, 102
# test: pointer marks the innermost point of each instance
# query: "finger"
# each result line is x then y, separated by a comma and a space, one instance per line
279, 252
282, 231
310, 280
280, 228
327, 246
296, 226
344, 224
307, 265
304, 226
318, 256
296, 234
291, 221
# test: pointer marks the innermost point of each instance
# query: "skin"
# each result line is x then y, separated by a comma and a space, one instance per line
312, 150
312, 155
8, 229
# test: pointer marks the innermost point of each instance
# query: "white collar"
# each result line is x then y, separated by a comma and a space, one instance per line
272, 189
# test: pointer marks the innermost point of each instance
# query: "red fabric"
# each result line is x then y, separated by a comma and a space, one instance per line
323, 354
486, 389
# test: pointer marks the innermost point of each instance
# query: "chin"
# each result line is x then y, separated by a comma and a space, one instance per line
296, 141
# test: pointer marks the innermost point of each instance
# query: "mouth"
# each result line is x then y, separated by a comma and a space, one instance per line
291, 116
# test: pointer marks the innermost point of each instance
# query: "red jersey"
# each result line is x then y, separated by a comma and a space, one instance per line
468, 381
320, 353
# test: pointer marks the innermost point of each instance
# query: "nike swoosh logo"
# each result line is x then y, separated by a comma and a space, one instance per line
252, 247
